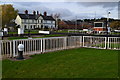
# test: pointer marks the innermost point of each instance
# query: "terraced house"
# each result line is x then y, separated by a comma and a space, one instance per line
32, 21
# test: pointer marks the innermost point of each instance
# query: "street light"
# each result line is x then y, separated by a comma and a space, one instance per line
76, 24
82, 23
108, 15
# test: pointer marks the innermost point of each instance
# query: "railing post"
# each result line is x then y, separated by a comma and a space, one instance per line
41, 45
14, 48
105, 42
108, 43
11, 49
83, 41
65, 42
80, 41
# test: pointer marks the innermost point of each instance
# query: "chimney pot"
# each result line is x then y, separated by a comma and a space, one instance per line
26, 11
37, 12
34, 12
45, 13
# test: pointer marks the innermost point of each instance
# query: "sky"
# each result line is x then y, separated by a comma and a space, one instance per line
70, 10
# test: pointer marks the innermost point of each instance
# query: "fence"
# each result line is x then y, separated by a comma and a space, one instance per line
94, 42
8, 48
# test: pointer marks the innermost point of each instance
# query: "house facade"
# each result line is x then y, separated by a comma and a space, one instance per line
33, 21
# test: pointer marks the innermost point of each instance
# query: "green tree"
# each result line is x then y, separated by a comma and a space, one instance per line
8, 13
115, 25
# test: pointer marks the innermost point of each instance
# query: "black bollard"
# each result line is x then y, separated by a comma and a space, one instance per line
20, 52
20, 55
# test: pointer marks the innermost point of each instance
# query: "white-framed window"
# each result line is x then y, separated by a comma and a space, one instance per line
25, 27
31, 27
53, 21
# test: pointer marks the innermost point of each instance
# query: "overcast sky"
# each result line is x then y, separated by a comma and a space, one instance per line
70, 10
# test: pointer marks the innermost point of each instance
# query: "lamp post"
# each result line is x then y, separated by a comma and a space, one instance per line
108, 15
76, 24
82, 23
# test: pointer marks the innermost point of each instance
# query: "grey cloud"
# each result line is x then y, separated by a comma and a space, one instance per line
102, 4
63, 12
22, 6
30, 6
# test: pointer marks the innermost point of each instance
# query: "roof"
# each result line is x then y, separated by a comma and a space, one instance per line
11, 24
32, 16
48, 18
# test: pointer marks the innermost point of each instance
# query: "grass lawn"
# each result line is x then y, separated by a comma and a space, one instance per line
73, 63
51, 35
111, 45
14, 38
26, 31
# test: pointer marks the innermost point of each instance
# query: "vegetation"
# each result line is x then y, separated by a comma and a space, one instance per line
26, 31
13, 38
74, 63
111, 45
44, 36
8, 13
115, 24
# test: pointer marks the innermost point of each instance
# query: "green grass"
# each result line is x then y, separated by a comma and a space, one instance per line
32, 31
54, 35
15, 38
111, 45
73, 63
51, 35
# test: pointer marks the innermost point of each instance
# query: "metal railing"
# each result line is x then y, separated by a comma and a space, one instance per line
8, 48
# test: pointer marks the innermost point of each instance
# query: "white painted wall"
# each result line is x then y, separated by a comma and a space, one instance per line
18, 20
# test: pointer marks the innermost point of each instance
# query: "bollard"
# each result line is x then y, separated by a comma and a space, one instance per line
20, 51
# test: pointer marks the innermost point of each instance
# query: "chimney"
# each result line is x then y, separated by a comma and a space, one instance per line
45, 13
34, 13
37, 12
26, 11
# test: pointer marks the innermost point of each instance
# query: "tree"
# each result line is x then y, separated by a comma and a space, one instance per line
8, 13
56, 17
115, 25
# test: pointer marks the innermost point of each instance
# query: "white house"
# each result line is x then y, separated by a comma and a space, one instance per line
32, 21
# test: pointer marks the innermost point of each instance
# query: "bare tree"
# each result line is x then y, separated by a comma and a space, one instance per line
57, 18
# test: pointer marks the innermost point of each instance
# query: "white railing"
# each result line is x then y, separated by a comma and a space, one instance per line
32, 46
8, 48
113, 43
94, 42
